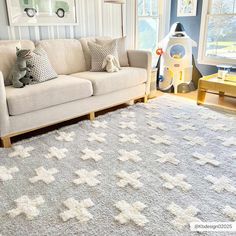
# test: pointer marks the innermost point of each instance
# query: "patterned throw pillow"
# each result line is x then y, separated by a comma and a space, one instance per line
41, 68
99, 53
122, 53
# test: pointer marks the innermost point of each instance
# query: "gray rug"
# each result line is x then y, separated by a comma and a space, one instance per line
149, 169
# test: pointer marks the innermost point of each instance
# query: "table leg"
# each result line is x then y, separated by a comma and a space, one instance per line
201, 96
221, 94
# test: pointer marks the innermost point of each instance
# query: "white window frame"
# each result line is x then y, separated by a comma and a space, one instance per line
202, 58
164, 8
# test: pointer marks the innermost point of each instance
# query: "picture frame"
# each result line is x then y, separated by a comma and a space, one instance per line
41, 12
187, 8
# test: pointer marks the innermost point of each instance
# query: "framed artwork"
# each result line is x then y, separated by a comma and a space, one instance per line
187, 8
41, 12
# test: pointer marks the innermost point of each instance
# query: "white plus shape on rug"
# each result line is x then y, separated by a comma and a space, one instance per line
27, 207
65, 136
175, 181
217, 127
168, 157
128, 114
195, 140
127, 125
21, 151
207, 158
161, 139
151, 106
6, 174
44, 175
221, 184
183, 217
77, 210
131, 212
99, 124
128, 138
231, 141
208, 115
151, 115
175, 106
100, 137
182, 116
90, 154
57, 153
230, 212
86, 177
185, 126
129, 155
156, 125
129, 179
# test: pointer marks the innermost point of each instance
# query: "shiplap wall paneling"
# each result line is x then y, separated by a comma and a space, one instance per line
94, 18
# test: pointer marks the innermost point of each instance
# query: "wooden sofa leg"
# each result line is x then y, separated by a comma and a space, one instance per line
92, 116
145, 99
6, 142
130, 103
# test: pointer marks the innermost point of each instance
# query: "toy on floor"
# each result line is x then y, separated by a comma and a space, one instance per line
176, 64
111, 64
18, 75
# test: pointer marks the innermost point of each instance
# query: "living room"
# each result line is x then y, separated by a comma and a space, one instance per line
117, 117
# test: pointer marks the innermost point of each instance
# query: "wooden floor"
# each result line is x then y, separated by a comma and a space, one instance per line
212, 100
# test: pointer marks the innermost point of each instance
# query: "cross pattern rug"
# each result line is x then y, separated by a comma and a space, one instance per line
148, 169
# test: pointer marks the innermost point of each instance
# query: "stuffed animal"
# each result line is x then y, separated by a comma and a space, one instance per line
18, 75
111, 64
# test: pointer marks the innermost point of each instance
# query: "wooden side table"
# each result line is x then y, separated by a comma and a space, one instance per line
216, 85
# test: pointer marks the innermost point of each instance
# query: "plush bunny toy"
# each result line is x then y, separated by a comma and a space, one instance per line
111, 64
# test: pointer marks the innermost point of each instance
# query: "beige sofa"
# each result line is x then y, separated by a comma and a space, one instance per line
76, 92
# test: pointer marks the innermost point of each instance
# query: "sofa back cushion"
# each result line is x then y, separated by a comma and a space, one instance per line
65, 55
8, 54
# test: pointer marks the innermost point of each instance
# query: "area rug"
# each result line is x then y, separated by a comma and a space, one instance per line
149, 169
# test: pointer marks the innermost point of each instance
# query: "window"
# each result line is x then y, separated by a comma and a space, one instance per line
152, 23
147, 24
218, 32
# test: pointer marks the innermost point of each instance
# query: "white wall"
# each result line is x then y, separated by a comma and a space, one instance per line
95, 18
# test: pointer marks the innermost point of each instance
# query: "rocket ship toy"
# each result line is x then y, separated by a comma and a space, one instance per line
176, 58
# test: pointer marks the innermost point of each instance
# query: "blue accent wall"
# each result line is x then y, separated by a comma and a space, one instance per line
192, 26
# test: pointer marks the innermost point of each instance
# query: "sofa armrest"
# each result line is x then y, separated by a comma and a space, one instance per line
4, 115
142, 59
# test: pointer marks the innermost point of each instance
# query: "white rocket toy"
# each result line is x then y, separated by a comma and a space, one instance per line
176, 58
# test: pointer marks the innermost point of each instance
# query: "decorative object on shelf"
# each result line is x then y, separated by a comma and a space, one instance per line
41, 12
227, 72
122, 2
187, 8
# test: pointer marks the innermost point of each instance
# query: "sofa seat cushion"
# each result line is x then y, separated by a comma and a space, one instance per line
104, 82
50, 93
